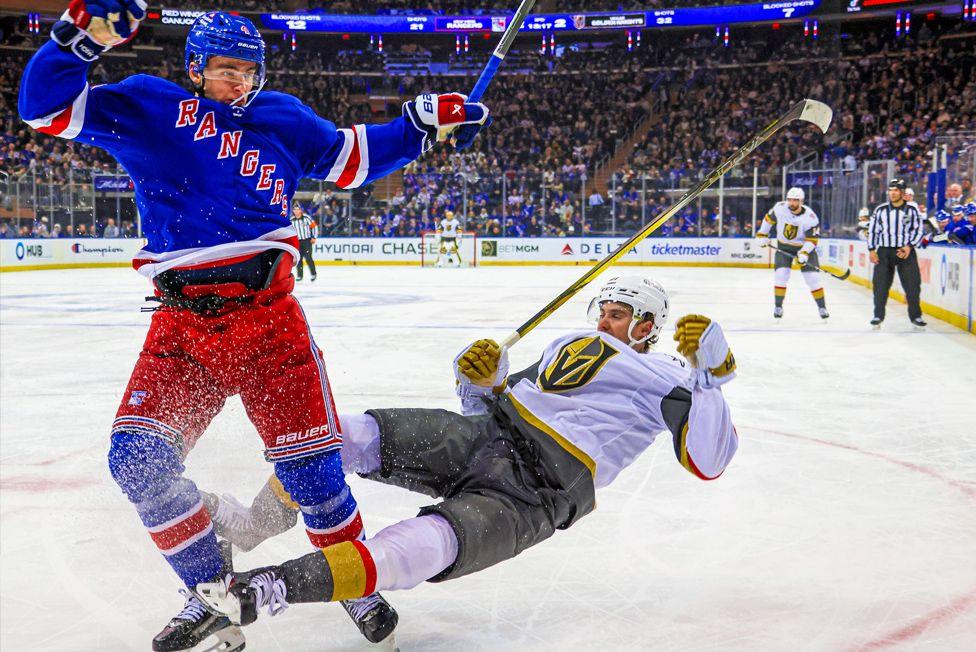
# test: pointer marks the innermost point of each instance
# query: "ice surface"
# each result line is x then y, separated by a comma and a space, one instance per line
847, 521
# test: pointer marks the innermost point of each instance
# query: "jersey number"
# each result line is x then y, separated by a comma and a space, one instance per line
576, 364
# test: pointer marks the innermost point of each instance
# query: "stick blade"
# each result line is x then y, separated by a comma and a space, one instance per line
817, 113
845, 275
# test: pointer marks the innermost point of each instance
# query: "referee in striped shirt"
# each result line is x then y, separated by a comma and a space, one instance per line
894, 231
303, 225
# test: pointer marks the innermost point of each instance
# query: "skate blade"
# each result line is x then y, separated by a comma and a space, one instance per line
216, 596
918, 329
229, 639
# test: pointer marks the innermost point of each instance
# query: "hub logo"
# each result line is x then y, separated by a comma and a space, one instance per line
31, 250
949, 276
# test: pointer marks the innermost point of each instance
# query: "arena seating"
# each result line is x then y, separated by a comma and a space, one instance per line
532, 172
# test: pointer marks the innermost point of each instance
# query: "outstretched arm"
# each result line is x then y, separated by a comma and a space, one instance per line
54, 97
362, 154
699, 418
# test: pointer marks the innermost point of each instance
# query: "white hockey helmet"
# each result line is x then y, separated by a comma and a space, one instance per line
909, 191
646, 297
864, 212
795, 193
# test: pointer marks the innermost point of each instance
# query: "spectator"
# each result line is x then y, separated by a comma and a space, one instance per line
111, 230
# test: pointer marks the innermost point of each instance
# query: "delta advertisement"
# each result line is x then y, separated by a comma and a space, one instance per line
948, 292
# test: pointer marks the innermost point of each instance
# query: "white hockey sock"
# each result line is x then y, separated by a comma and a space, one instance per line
781, 276
360, 443
412, 551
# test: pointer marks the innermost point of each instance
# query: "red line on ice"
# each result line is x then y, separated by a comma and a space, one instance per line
933, 618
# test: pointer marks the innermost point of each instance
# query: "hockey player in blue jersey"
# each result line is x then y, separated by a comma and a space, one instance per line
967, 233
215, 169
958, 228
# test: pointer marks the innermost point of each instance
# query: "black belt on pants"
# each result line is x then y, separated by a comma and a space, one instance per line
252, 275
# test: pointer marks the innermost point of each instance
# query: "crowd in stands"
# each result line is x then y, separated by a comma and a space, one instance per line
532, 172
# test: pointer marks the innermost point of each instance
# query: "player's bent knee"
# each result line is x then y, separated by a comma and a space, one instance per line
312, 480
142, 465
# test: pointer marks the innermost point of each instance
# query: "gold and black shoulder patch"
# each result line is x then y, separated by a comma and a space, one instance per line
576, 364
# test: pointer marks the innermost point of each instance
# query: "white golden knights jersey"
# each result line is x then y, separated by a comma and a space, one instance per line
450, 228
606, 404
801, 230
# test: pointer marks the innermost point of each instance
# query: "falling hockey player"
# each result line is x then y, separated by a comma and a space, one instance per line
214, 170
524, 460
797, 235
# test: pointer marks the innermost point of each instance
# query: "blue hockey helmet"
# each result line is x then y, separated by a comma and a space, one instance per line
958, 208
970, 208
219, 34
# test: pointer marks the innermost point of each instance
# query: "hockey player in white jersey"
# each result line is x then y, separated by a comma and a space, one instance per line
449, 240
524, 460
797, 235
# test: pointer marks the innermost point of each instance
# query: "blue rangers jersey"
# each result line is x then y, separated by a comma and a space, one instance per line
212, 181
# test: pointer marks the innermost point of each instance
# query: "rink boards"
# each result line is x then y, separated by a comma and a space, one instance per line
947, 277
947, 272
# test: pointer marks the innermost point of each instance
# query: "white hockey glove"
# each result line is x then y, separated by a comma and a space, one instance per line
481, 370
89, 27
763, 240
703, 343
438, 115
802, 257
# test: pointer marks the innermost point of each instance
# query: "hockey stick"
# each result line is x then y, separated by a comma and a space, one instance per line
811, 111
501, 50
839, 277
511, 31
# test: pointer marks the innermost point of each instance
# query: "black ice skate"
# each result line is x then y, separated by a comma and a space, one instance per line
373, 615
824, 314
919, 324
778, 312
193, 626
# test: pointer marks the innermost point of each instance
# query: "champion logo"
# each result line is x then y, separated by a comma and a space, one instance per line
567, 250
